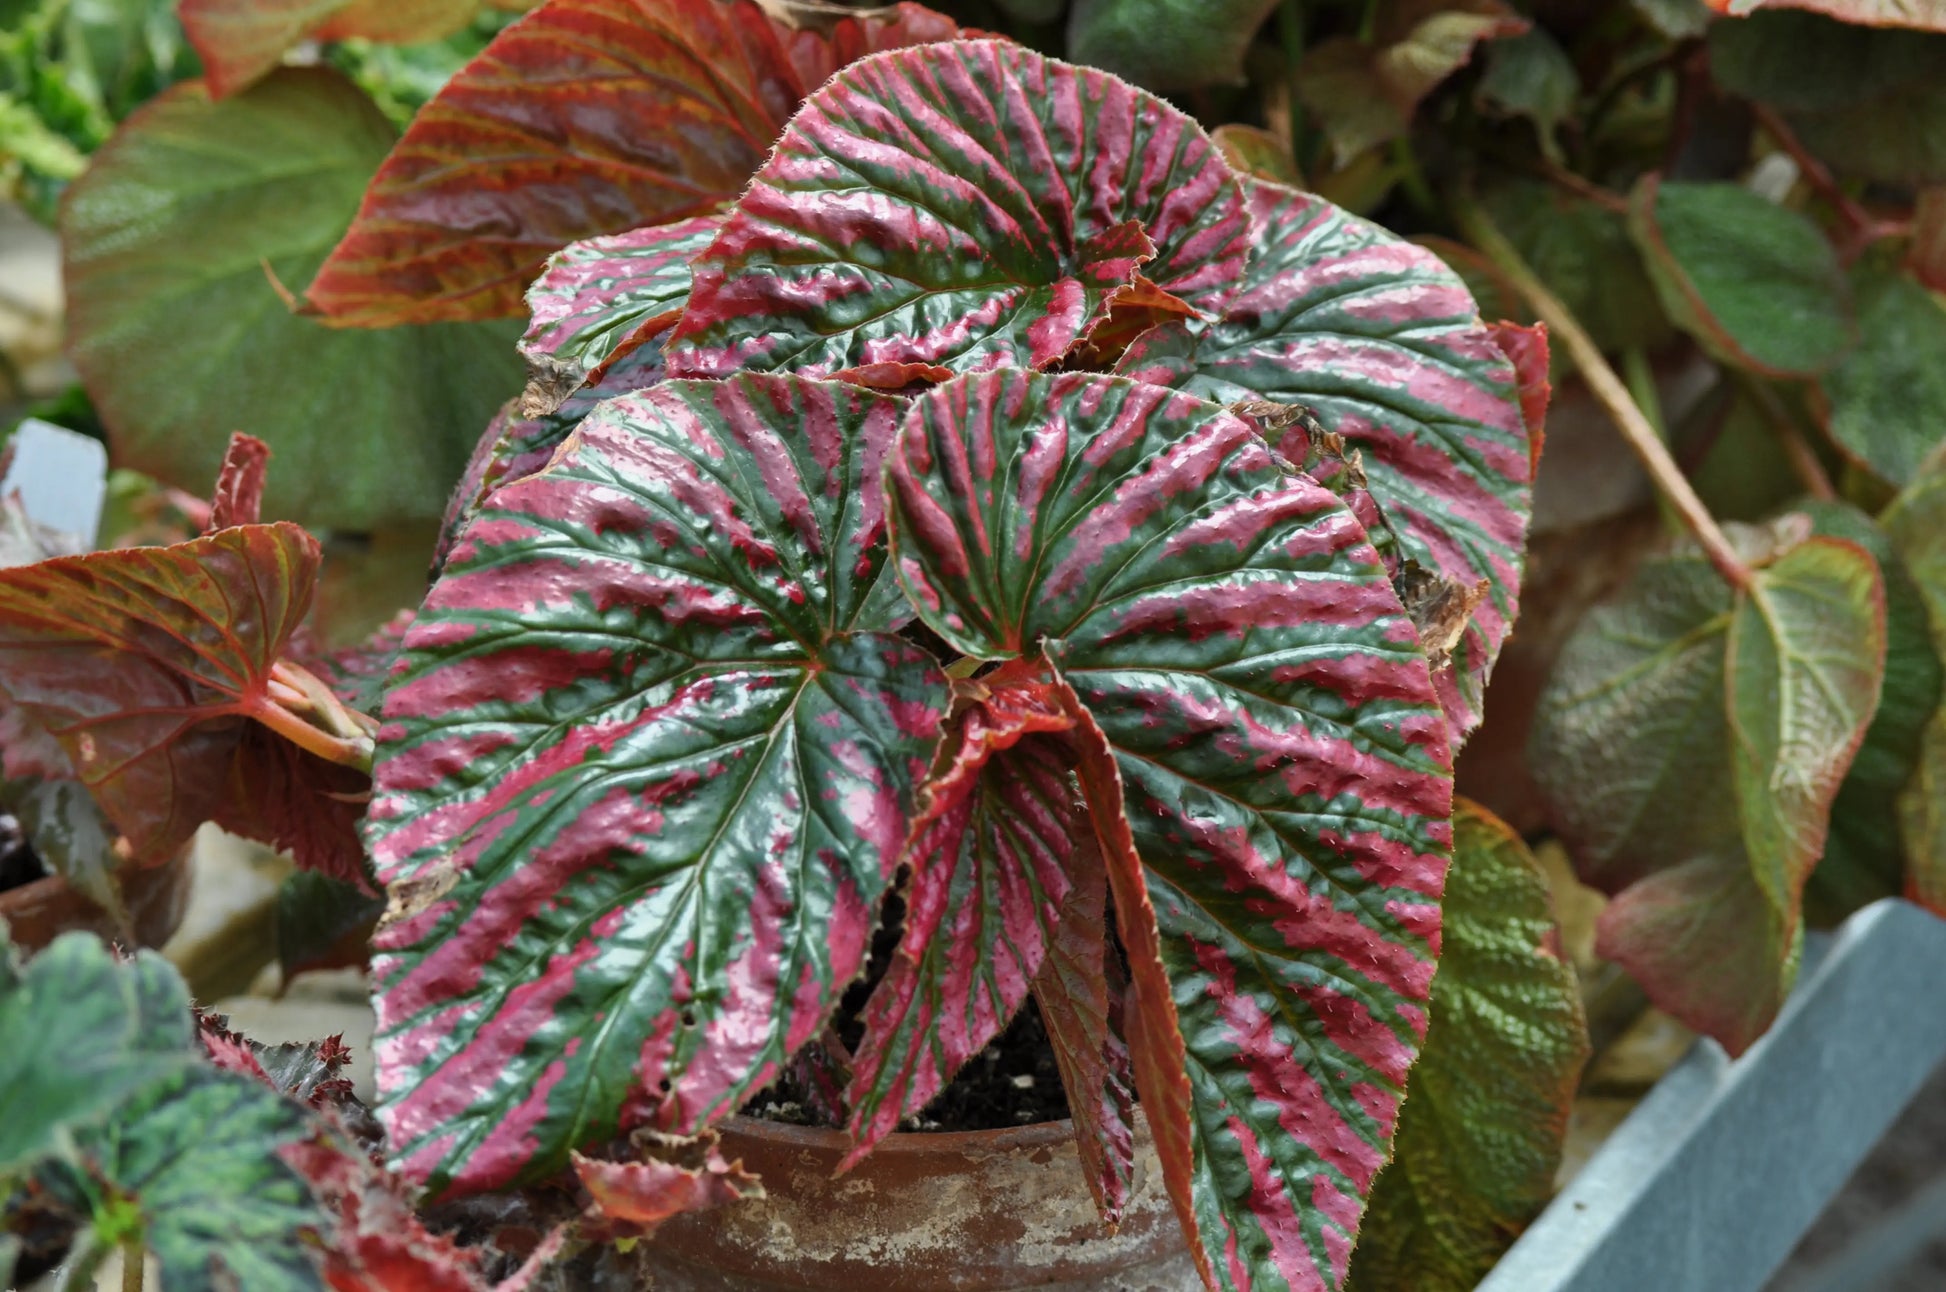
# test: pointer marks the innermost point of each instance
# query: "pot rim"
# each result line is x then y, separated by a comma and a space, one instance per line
1035, 1135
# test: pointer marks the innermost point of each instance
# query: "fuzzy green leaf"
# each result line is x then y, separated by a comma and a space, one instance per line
1917, 525
1166, 44
1885, 405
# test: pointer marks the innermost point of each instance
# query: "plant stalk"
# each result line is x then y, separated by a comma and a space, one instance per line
1803, 459
1862, 228
1609, 391
302, 709
132, 1253
1290, 30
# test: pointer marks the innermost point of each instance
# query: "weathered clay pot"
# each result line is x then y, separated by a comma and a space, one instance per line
968, 1211
39, 912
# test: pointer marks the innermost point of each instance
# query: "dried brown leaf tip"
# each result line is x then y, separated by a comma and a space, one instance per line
675, 1173
1439, 607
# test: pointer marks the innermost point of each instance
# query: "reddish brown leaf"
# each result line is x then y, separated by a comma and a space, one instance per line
298, 803
240, 40
146, 663
681, 1173
1526, 349
1925, 257
1080, 989
586, 117
239, 495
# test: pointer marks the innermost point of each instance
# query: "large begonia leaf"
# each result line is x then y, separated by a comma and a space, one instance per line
1757, 285
964, 205
1928, 15
1081, 991
1243, 674
182, 338
1166, 44
686, 598
192, 1167
1487, 1108
601, 298
240, 40
1885, 404
989, 857
80, 1031
586, 117
1690, 745
1382, 343
148, 663
1917, 524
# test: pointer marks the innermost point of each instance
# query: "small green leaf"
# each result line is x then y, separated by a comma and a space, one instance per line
1531, 76
1757, 285
323, 923
79, 1032
1917, 524
180, 334
1166, 44
1689, 747
194, 1161
1583, 253
1885, 405
1487, 1108
70, 833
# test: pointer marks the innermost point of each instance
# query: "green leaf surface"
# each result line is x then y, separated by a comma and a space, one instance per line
1166, 44
80, 1031
1917, 525
1868, 101
1531, 76
1689, 746
1758, 286
182, 338
71, 834
1864, 858
1487, 1107
323, 923
193, 1162
1885, 405
645, 775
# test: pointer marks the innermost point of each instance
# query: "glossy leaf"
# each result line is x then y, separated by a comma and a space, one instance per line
989, 857
602, 297
80, 1031
1690, 745
1080, 991
964, 205
1917, 525
1487, 1108
1757, 285
146, 664
240, 40
1885, 404
182, 338
193, 1166
689, 596
1244, 677
1364, 92
1166, 44
519, 155
1381, 342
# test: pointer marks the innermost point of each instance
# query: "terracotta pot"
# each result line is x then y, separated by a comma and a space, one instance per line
968, 1211
39, 912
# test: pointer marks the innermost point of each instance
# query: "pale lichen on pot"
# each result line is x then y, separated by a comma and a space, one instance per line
963, 1211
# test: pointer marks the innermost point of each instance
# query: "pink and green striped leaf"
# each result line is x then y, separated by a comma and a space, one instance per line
1384, 345
644, 777
962, 205
601, 298
989, 857
585, 117
1256, 722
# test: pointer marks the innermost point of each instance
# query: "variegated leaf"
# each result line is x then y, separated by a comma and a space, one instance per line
1384, 345
1244, 676
644, 777
962, 205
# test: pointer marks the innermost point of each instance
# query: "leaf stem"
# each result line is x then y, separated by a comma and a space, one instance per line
1608, 390
299, 707
132, 1253
1862, 228
1290, 30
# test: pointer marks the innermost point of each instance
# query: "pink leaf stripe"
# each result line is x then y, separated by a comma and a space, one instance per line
989, 855
1264, 759
1385, 346
966, 206
645, 775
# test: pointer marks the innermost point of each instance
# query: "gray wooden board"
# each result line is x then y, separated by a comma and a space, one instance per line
1710, 1182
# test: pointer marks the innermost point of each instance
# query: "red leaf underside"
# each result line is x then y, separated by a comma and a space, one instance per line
239, 495
586, 117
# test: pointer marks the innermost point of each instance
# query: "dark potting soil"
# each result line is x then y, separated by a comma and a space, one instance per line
18, 862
